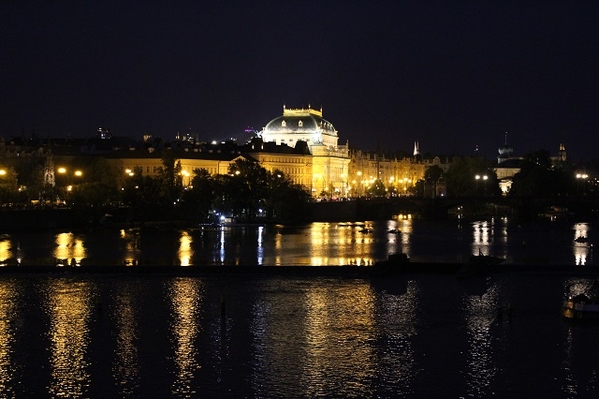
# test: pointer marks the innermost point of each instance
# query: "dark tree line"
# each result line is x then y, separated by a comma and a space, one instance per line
247, 193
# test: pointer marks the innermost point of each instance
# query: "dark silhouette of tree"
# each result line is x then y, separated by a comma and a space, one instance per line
540, 177
377, 189
171, 184
461, 178
197, 202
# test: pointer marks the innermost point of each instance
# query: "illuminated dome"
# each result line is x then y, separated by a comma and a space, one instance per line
300, 125
506, 151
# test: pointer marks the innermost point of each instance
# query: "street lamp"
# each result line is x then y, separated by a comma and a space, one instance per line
583, 177
484, 179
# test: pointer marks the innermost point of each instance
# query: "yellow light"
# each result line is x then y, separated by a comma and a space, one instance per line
62, 170
2, 172
78, 173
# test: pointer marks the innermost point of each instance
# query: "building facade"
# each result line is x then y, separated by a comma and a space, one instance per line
325, 170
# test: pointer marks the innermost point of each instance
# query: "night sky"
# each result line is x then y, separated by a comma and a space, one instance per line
451, 75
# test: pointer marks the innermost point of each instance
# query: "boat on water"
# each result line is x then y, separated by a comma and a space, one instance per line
479, 265
488, 260
584, 306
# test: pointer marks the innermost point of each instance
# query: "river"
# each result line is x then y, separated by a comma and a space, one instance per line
316, 244
416, 335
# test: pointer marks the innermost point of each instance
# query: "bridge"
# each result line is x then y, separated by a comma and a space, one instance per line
444, 207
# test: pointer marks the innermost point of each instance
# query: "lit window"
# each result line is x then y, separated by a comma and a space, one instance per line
300, 123
283, 124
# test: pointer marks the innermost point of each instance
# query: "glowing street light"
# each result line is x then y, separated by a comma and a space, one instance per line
484, 179
583, 177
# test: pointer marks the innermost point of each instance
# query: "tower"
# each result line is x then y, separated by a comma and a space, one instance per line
562, 152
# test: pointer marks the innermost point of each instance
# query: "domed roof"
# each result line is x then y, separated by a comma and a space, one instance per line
505, 150
300, 121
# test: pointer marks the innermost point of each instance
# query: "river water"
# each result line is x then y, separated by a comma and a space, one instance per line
415, 335
316, 244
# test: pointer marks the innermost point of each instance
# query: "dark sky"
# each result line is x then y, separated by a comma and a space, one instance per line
452, 75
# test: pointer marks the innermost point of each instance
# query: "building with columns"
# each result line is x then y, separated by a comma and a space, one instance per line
328, 174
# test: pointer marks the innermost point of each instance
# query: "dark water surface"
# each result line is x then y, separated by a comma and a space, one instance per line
317, 244
148, 336
417, 335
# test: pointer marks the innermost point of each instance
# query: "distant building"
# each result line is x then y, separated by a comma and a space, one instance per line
329, 160
507, 166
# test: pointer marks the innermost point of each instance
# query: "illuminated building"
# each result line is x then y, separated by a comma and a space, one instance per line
328, 176
148, 161
399, 174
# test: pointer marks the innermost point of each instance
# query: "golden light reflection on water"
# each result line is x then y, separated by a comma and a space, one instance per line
126, 367
480, 313
70, 249
9, 298
186, 300
5, 249
131, 238
69, 309
330, 244
339, 329
185, 250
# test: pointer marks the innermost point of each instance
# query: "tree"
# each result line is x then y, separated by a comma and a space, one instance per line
197, 202
170, 180
8, 185
377, 189
540, 178
461, 178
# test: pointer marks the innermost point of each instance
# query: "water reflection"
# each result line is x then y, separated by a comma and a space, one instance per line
260, 244
579, 348
9, 371
339, 330
185, 250
69, 308
131, 239
399, 313
581, 245
316, 338
317, 244
186, 300
70, 249
480, 313
126, 367
5, 250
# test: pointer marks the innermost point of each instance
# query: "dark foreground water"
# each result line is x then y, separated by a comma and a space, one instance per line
414, 336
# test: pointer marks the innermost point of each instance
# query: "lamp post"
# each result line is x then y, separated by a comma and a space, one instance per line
67, 180
583, 177
360, 183
484, 178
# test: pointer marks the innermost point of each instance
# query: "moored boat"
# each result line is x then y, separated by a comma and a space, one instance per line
584, 306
